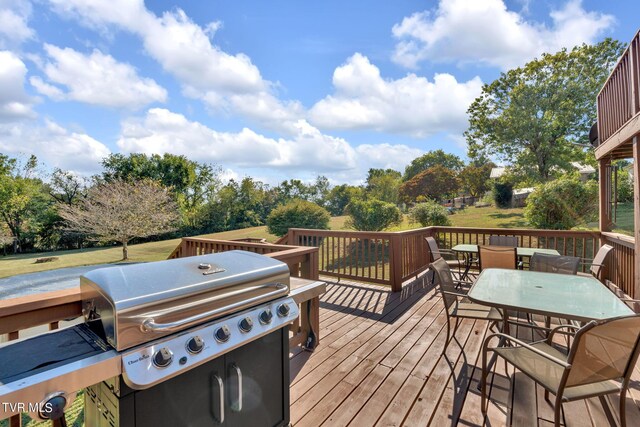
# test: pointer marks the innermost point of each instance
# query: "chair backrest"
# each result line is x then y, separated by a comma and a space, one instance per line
599, 259
497, 257
503, 241
445, 282
554, 263
604, 350
434, 250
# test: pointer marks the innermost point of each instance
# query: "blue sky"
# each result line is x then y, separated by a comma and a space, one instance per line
274, 90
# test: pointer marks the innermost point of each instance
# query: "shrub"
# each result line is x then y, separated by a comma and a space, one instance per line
502, 194
429, 213
372, 215
625, 188
561, 204
297, 214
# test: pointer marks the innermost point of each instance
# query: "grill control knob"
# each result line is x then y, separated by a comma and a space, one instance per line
245, 324
265, 317
283, 310
163, 357
195, 345
222, 334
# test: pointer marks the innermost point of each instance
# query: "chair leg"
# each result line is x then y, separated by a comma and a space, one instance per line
446, 343
623, 407
483, 382
557, 411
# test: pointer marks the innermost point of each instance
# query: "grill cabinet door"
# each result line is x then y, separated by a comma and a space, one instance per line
191, 399
258, 382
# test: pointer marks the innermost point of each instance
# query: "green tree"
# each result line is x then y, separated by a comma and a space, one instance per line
297, 214
372, 215
502, 193
475, 179
24, 202
562, 204
431, 159
383, 184
193, 183
238, 205
340, 196
531, 115
429, 213
437, 183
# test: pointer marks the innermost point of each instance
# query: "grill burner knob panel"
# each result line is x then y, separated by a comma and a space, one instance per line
246, 324
163, 357
222, 334
140, 368
283, 310
266, 316
195, 345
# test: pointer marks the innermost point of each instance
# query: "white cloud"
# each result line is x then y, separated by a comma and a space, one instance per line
14, 17
14, 102
53, 145
309, 152
97, 79
463, 31
163, 131
225, 82
386, 155
411, 105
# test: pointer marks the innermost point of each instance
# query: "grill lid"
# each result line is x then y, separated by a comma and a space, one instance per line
140, 302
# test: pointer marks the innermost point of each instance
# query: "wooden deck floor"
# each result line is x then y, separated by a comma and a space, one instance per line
379, 363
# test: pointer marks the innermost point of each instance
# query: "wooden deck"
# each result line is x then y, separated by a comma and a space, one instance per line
379, 363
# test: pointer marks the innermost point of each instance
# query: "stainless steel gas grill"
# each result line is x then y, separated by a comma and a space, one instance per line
195, 341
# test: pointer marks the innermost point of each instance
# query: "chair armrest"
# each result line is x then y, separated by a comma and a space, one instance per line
525, 345
558, 328
455, 294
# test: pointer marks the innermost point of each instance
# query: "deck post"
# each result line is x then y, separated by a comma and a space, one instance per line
636, 215
395, 261
605, 194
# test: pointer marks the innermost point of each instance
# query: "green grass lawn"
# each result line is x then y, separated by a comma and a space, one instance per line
154, 251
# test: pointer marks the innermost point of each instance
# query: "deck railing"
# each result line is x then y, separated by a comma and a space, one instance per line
620, 268
390, 258
619, 99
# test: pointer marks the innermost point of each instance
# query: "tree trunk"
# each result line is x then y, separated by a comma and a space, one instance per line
125, 251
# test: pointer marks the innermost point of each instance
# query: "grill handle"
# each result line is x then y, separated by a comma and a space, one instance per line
236, 405
149, 325
217, 381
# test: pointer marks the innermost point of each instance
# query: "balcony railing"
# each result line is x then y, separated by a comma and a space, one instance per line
619, 101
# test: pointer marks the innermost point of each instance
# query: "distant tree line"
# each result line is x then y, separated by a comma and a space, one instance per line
41, 211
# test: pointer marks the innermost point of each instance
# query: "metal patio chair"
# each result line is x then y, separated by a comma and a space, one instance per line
599, 361
503, 241
457, 306
436, 253
497, 257
554, 263
596, 268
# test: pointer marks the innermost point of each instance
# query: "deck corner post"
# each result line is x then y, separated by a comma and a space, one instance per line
395, 261
636, 215
604, 172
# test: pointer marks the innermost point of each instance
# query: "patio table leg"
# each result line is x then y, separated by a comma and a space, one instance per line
467, 265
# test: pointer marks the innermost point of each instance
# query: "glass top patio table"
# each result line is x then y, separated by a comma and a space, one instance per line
522, 252
557, 295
